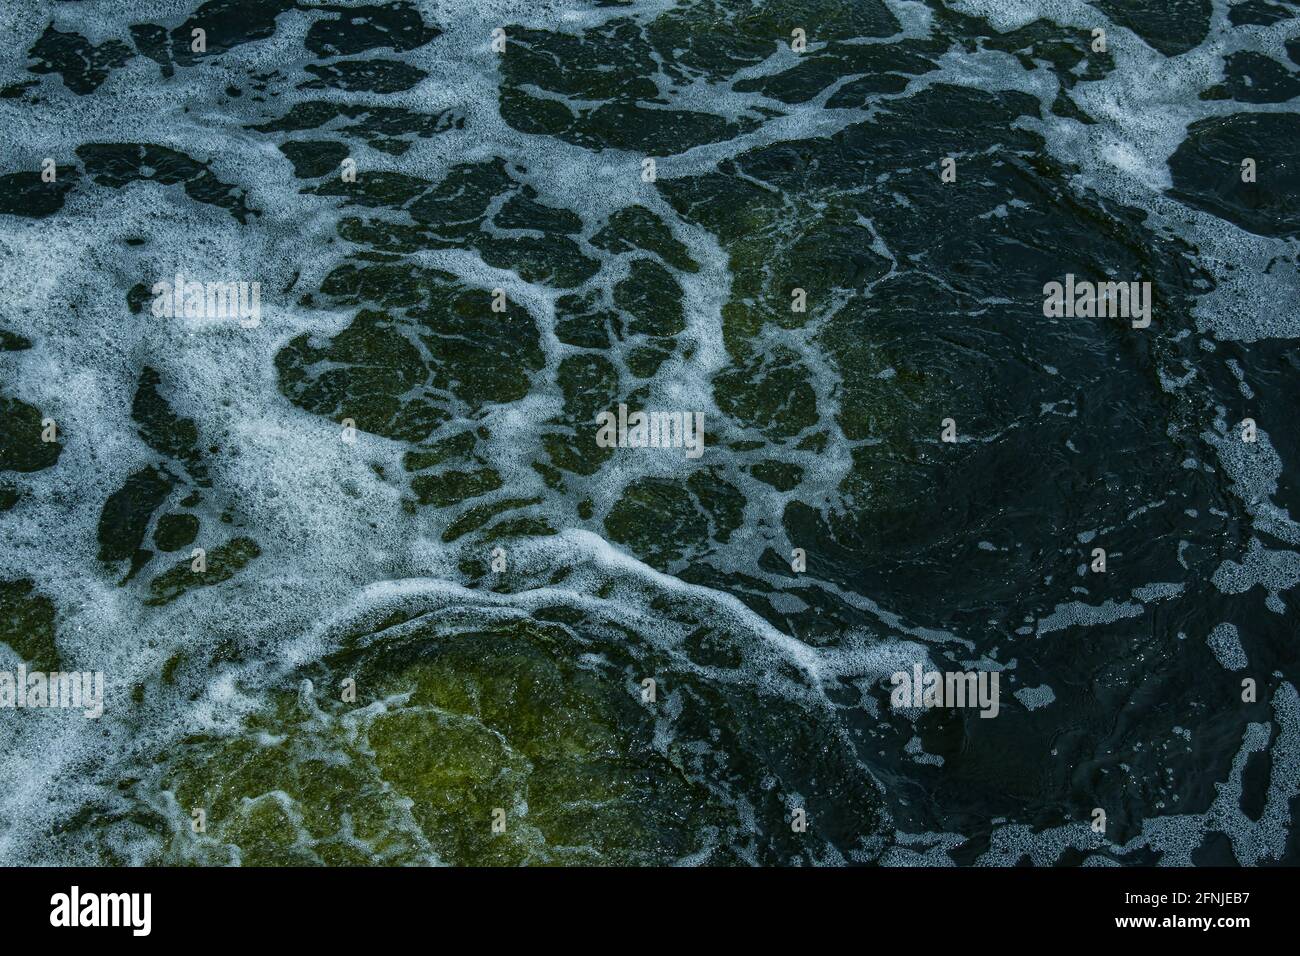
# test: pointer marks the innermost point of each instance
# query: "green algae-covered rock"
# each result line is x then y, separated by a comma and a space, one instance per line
27, 624
222, 563
410, 743
22, 447
443, 733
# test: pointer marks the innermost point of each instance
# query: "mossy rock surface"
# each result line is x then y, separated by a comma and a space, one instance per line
22, 444
443, 734
451, 730
27, 624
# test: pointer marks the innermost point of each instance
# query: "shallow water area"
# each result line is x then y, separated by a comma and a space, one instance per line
366, 587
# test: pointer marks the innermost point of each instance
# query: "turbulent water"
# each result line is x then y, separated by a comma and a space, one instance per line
367, 584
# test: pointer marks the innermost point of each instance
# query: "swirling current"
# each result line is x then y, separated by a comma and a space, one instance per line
330, 337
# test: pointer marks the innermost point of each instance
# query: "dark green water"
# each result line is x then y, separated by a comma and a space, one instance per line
435, 619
